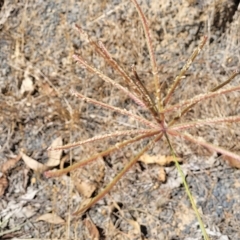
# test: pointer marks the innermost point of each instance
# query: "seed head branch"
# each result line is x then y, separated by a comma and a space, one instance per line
146, 96
102, 137
209, 146
185, 110
183, 71
137, 86
108, 80
101, 49
115, 109
117, 146
200, 123
151, 54
232, 76
199, 98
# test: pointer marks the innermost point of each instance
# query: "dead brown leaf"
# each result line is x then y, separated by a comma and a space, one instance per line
158, 159
46, 89
33, 164
86, 180
232, 162
4, 168
3, 184
85, 188
162, 175
51, 218
135, 225
92, 229
27, 85
10, 164
55, 156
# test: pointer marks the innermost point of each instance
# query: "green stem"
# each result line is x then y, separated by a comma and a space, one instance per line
194, 206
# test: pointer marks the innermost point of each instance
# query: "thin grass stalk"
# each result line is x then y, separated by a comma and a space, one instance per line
102, 137
108, 80
183, 71
117, 146
151, 54
88, 38
112, 108
194, 206
118, 177
232, 76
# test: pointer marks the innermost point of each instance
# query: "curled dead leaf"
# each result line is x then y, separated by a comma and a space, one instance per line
86, 180
85, 188
136, 226
33, 164
54, 157
46, 89
51, 218
92, 229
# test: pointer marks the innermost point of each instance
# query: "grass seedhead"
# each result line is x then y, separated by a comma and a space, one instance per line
164, 120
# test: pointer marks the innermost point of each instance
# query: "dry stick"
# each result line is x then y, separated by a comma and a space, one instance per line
152, 57
183, 71
199, 123
117, 178
94, 157
119, 110
108, 80
199, 98
209, 146
102, 137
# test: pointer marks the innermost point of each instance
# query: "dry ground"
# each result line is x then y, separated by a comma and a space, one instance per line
37, 71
